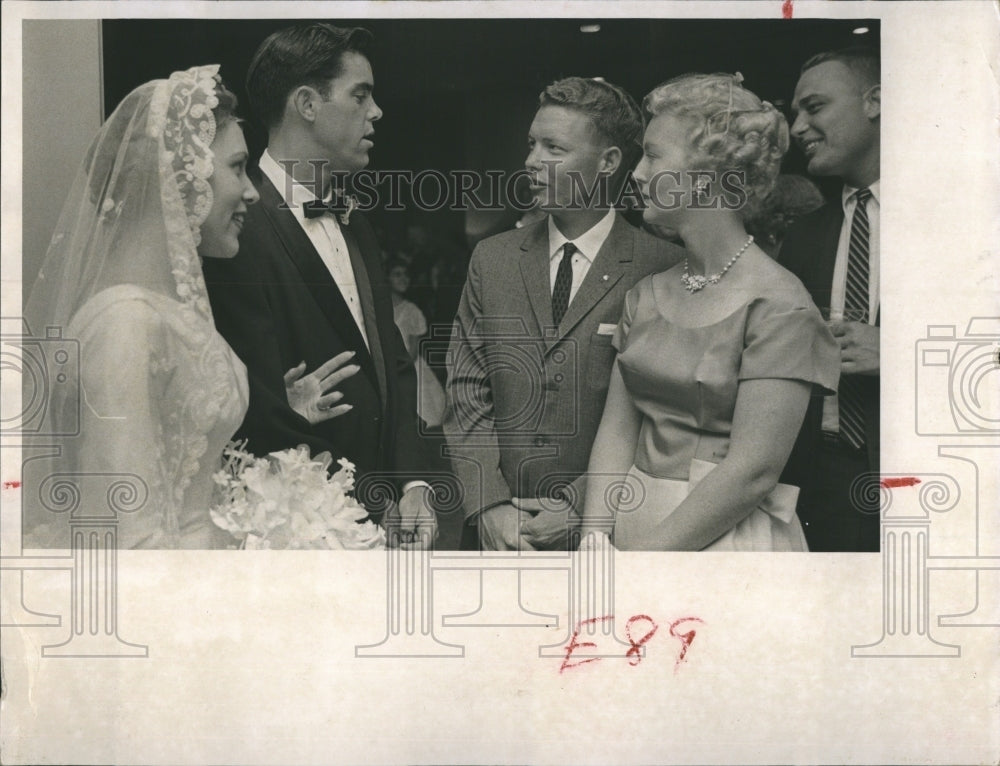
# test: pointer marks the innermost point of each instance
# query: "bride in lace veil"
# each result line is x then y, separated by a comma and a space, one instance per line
157, 391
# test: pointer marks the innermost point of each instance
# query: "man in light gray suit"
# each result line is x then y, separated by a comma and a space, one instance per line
531, 355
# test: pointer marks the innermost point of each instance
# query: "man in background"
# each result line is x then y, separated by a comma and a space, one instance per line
835, 252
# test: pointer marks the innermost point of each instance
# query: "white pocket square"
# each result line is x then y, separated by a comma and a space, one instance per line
606, 329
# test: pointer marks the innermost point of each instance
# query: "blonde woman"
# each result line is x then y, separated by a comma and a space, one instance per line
717, 356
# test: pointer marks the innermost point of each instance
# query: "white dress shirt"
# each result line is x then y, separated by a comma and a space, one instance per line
849, 200
324, 233
588, 245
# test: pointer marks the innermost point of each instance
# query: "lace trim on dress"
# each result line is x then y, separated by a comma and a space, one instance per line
183, 349
181, 118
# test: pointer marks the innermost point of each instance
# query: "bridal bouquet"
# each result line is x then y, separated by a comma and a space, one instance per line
287, 500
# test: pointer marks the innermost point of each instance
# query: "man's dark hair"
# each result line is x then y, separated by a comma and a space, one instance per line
614, 113
864, 61
306, 54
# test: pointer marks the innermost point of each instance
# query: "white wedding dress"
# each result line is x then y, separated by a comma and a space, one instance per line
158, 392
162, 393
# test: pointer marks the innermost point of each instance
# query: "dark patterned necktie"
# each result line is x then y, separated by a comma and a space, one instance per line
564, 282
852, 421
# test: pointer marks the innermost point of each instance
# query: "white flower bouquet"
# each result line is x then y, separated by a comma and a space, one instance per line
287, 500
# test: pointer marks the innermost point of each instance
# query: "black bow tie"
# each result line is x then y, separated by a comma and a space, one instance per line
316, 208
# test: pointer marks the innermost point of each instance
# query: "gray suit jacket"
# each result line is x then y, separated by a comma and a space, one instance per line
525, 397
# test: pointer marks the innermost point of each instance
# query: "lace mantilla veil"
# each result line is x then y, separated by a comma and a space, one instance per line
158, 386
135, 209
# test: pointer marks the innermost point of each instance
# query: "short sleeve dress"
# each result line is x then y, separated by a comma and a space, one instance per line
684, 381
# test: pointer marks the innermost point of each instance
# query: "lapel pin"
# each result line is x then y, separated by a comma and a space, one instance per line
605, 277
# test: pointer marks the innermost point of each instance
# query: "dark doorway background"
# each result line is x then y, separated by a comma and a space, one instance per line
460, 93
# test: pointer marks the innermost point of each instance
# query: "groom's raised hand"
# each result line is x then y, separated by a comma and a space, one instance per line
314, 396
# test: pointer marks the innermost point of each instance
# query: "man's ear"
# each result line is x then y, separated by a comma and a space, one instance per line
611, 160
872, 102
303, 101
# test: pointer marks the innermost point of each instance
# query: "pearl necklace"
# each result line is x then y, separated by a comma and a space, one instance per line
693, 283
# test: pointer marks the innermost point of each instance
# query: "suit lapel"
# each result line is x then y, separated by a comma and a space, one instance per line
535, 273
316, 277
367, 296
608, 266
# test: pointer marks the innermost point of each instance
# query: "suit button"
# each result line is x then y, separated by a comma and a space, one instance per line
540, 441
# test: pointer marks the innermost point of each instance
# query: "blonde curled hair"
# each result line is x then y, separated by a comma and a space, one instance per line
734, 129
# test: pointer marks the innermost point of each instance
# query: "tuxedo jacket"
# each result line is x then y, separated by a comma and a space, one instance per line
277, 305
525, 396
810, 252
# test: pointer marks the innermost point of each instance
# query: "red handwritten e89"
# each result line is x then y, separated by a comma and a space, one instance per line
639, 629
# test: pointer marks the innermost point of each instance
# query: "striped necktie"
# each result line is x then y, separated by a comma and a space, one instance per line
852, 420
563, 284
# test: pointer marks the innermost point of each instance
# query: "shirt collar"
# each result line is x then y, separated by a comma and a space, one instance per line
848, 192
276, 174
589, 243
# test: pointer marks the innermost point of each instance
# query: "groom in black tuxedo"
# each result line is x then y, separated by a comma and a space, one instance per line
307, 284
